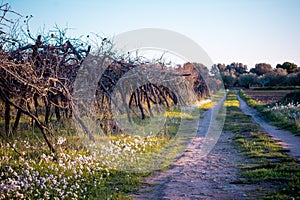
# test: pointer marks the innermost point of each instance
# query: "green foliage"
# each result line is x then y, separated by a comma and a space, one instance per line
229, 79
290, 67
262, 68
245, 80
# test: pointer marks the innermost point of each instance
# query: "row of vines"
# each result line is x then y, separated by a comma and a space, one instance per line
38, 76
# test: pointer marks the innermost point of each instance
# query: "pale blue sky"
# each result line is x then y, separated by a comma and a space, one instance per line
247, 31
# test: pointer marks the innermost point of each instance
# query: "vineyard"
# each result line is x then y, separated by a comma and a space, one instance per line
38, 82
83, 119
267, 96
57, 93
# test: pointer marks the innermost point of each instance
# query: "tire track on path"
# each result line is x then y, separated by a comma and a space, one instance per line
194, 176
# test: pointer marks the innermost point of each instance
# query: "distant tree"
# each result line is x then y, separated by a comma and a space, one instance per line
229, 78
221, 67
276, 77
263, 80
280, 72
293, 79
239, 68
246, 80
297, 79
261, 69
253, 71
290, 67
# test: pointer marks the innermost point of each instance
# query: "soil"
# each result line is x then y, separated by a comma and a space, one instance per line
215, 176
193, 176
267, 96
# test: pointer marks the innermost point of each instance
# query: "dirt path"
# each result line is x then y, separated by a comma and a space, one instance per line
193, 176
286, 138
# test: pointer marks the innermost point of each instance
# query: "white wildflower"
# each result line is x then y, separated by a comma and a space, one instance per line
61, 140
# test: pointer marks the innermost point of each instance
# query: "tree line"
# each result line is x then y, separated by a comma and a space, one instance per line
262, 75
